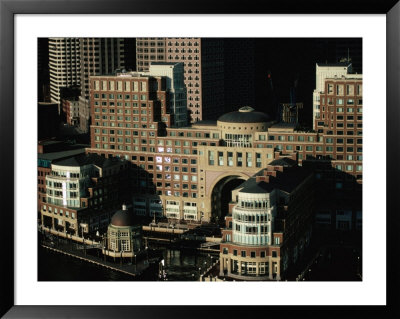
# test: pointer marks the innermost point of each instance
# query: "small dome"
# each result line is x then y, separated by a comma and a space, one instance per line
245, 114
122, 218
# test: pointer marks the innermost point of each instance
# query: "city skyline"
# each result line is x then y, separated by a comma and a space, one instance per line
183, 170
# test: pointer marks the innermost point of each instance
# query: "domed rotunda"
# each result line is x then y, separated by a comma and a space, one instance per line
238, 128
124, 238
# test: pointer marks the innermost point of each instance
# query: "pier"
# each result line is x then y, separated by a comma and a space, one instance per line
131, 270
86, 250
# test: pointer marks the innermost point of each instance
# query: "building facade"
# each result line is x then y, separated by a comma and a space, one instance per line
124, 237
82, 192
219, 73
181, 173
322, 72
98, 56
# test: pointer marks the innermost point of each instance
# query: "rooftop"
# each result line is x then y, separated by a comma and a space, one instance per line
245, 114
287, 181
122, 218
59, 155
87, 159
344, 64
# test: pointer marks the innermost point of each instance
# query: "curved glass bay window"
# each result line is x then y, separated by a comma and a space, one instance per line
252, 222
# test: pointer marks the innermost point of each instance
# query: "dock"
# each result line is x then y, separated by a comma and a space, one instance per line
81, 252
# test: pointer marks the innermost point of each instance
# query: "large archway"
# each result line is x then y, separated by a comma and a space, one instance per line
221, 196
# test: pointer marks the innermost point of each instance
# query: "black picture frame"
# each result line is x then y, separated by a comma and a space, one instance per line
8, 10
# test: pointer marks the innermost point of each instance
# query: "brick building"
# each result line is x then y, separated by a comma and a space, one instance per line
270, 222
189, 168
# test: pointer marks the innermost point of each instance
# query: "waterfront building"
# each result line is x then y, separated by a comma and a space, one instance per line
187, 173
50, 151
124, 236
83, 191
270, 222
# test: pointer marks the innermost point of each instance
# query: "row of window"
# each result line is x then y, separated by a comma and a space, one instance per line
341, 89
111, 96
289, 138
120, 111
58, 211
119, 104
341, 125
341, 167
243, 253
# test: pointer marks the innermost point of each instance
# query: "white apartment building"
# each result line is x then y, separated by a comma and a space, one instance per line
64, 65
66, 184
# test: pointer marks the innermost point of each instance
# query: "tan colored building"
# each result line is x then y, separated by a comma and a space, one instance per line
188, 172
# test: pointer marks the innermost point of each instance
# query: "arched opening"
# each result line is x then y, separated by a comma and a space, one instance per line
221, 197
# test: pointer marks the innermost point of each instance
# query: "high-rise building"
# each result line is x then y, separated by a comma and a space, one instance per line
64, 65
99, 56
149, 50
219, 73
43, 70
322, 72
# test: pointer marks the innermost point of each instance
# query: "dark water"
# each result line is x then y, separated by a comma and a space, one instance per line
179, 266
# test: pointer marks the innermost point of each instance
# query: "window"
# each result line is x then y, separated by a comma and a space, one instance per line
253, 254
243, 253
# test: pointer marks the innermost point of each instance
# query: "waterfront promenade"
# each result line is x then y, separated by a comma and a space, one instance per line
88, 252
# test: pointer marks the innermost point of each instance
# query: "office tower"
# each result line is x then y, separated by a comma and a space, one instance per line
98, 56
64, 65
239, 73
219, 73
149, 50
43, 70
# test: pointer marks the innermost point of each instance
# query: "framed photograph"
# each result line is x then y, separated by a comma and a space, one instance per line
28, 287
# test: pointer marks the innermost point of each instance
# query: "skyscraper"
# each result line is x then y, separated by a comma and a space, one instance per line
219, 73
98, 56
64, 65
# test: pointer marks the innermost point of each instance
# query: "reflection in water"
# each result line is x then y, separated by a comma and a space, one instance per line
179, 266
184, 265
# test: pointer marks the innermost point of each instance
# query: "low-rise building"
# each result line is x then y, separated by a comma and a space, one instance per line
124, 236
83, 191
